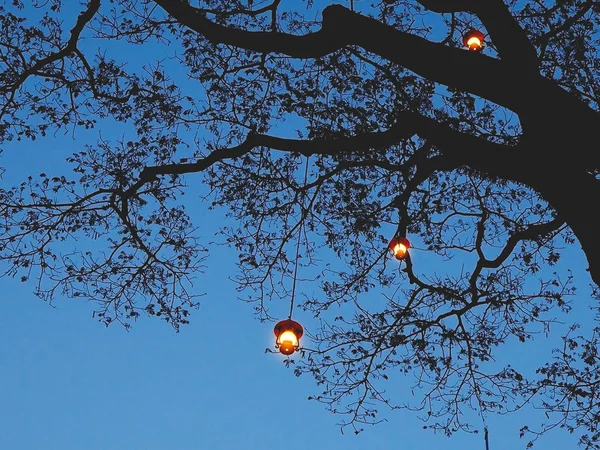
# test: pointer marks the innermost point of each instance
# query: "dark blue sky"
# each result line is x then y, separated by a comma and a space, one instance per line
70, 383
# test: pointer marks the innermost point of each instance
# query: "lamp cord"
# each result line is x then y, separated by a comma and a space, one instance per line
298, 243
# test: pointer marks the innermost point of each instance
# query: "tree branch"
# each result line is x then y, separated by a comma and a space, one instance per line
458, 149
492, 79
530, 233
538, 101
69, 48
511, 41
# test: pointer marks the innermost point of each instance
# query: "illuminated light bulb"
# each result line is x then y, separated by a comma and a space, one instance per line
399, 247
288, 333
474, 43
288, 342
400, 251
473, 40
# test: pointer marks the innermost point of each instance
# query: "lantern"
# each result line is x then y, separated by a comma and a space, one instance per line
288, 333
399, 247
473, 40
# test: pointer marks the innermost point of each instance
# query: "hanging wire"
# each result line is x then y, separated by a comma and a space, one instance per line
485, 427
298, 243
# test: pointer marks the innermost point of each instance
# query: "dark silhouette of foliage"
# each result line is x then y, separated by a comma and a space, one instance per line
485, 159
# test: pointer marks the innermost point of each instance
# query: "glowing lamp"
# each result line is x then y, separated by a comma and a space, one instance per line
288, 333
399, 247
473, 40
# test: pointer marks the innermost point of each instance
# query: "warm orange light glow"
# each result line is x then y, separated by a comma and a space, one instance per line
399, 247
473, 40
289, 338
474, 43
288, 334
287, 348
400, 251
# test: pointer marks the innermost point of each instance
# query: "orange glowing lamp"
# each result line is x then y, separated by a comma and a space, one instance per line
473, 40
399, 247
288, 333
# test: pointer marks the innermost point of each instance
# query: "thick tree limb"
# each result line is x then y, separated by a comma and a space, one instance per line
493, 160
570, 193
491, 78
539, 102
458, 147
509, 38
562, 186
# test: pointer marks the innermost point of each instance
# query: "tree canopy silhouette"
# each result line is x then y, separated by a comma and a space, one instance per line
486, 157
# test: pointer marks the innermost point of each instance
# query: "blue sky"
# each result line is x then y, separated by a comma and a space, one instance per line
70, 383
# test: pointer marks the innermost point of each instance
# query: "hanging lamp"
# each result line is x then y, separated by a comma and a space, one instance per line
288, 332
399, 247
287, 336
473, 40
